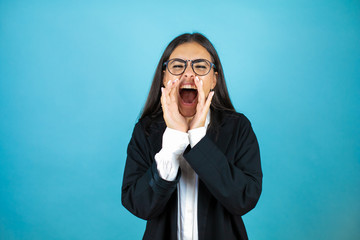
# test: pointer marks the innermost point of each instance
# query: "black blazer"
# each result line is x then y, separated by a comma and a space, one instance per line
227, 162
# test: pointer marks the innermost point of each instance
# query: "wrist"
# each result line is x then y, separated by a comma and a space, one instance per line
180, 129
197, 125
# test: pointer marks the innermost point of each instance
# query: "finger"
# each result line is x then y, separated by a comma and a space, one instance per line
163, 96
174, 89
166, 91
208, 101
168, 84
199, 85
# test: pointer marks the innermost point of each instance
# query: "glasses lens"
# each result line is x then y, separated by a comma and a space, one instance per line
176, 66
201, 66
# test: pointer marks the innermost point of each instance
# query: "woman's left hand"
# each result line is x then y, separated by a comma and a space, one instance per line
202, 107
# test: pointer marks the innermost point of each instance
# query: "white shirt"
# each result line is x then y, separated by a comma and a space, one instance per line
168, 161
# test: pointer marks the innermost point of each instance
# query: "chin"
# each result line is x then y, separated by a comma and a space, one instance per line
187, 112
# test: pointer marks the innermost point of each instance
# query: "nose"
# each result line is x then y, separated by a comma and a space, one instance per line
189, 73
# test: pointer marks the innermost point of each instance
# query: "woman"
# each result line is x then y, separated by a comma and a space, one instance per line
193, 164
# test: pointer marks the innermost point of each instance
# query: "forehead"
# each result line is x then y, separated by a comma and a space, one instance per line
190, 51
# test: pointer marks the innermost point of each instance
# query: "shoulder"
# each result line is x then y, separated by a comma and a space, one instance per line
234, 118
149, 125
230, 123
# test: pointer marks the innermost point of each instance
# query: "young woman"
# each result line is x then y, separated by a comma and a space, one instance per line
193, 163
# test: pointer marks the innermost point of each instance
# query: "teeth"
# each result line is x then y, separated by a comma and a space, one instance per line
188, 86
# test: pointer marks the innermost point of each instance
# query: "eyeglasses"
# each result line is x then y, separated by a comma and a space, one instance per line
178, 66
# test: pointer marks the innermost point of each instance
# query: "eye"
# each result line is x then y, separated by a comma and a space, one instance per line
199, 66
178, 66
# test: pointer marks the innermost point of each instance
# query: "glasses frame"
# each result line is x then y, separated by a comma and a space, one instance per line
212, 65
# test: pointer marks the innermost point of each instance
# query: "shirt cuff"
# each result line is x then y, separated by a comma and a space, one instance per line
167, 160
195, 135
175, 141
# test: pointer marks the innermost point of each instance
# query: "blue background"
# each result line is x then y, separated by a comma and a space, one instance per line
74, 76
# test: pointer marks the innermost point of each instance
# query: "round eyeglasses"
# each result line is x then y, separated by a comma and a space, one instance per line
178, 66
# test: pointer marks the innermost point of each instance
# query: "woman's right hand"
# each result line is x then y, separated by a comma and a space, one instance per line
169, 104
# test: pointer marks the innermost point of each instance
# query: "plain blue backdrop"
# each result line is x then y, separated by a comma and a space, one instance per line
74, 76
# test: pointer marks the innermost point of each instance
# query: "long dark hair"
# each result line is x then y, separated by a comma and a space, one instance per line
221, 99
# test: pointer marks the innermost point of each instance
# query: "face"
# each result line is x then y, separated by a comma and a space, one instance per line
187, 92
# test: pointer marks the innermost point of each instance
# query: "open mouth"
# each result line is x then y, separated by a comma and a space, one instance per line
188, 93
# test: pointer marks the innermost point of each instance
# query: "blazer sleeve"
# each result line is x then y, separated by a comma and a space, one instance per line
235, 181
144, 192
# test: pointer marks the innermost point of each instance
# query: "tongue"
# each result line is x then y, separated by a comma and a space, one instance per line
187, 95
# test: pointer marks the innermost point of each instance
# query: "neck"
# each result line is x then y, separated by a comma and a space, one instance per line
188, 119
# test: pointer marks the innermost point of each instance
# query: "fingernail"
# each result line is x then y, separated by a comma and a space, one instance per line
201, 82
168, 82
197, 78
162, 89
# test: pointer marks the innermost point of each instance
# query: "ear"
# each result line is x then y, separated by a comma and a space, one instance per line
213, 84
